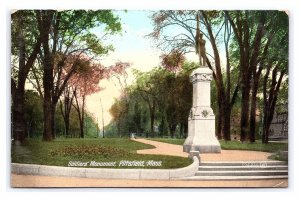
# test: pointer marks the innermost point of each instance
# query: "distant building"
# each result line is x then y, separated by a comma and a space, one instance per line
279, 125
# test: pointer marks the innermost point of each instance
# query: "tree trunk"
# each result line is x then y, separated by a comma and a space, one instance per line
266, 104
253, 117
80, 113
81, 122
220, 119
67, 125
53, 111
47, 82
186, 129
82, 118
181, 130
47, 106
65, 112
18, 86
245, 112
266, 125
19, 124
66, 109
226, 124
152, 124
152, 117
172, 128
218, 76
253, 108
227, 101
270, 101
162, 125
44, 19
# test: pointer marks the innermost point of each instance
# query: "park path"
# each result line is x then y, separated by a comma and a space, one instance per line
225, 155
161, 148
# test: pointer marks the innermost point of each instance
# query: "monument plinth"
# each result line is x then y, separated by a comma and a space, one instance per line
201, 123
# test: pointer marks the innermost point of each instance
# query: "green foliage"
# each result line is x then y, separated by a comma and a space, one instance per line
160, 92
33, 114
76, 27
34, 119
90, 126
29, 28
93, 43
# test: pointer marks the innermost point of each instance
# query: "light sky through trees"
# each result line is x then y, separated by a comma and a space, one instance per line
131, 46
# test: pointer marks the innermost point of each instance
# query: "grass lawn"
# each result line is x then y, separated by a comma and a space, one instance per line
61, 152
271, 147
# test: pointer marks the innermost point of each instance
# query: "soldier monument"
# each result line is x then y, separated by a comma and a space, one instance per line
201, 124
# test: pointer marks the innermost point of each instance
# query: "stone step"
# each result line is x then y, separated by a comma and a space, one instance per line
242, 173
243, 163
232, 168
218, 178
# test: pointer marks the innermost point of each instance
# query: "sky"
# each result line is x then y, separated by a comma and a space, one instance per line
131, 46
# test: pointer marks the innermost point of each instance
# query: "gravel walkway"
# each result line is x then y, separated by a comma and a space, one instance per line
225, 155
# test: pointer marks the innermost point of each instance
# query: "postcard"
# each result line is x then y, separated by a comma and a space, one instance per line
149, 98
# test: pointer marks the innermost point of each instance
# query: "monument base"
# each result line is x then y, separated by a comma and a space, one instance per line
202, 148
201, 131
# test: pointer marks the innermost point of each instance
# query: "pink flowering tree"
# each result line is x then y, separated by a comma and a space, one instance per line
86, 81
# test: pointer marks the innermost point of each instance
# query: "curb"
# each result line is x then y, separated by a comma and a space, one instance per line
106, 173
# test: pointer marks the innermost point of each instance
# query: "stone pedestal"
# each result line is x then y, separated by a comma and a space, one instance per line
201, 124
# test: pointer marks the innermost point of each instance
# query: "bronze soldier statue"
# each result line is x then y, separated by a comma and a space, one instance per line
200, 44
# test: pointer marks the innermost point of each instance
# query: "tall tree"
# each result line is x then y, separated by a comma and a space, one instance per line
216, 26
147, 93
254, 33
44, 19
66, 106
243, 23
68, 34
85, 81
276, 66
226, 93
26, 44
